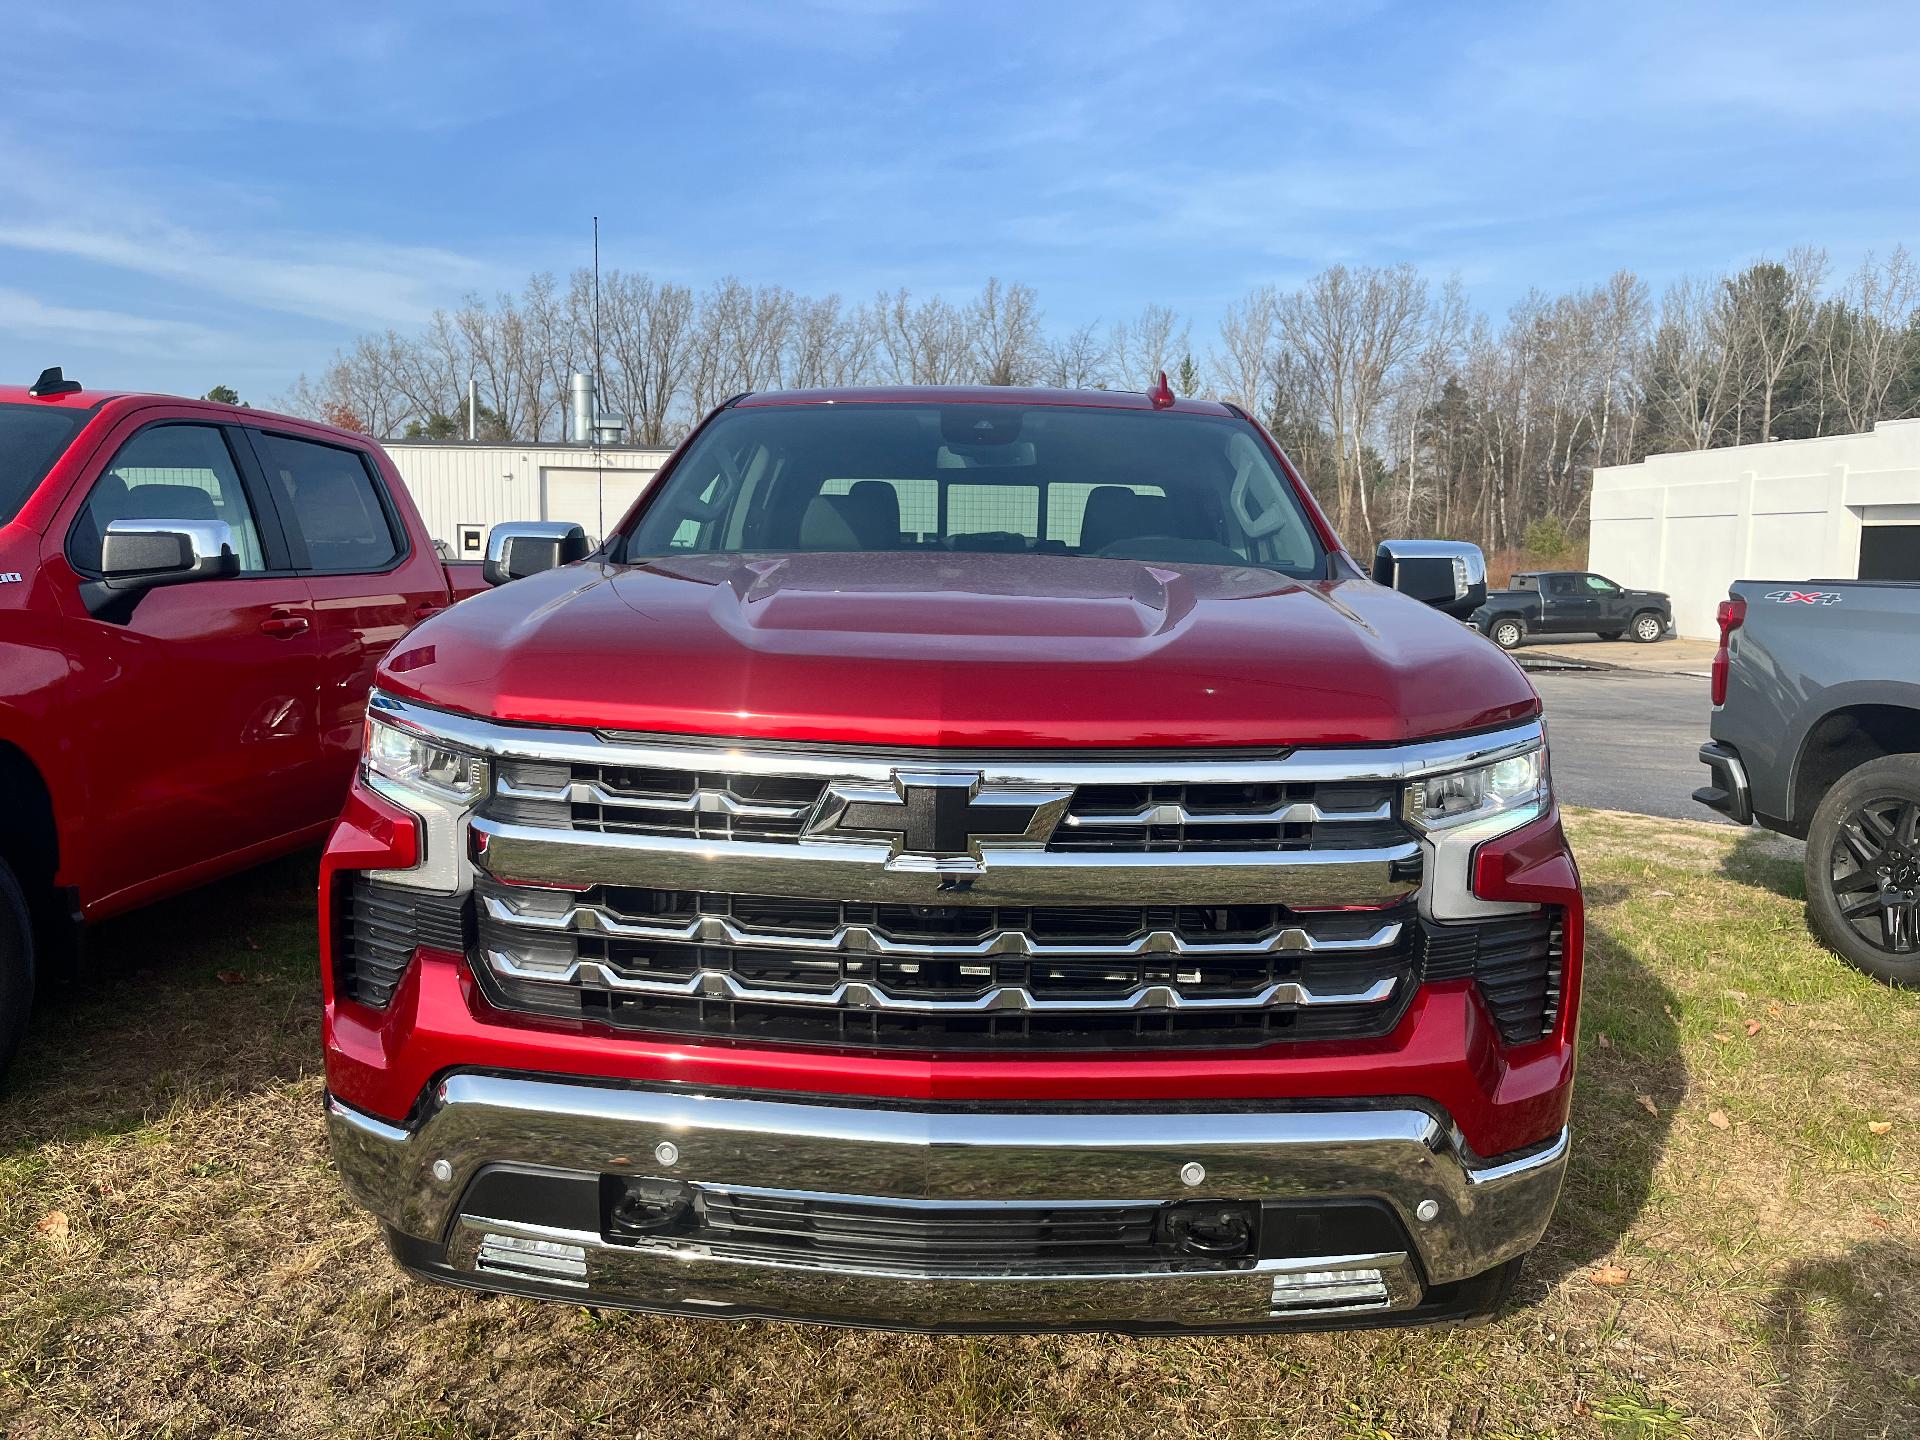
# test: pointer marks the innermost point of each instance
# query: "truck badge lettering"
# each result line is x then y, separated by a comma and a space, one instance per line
1804, 597
9, 577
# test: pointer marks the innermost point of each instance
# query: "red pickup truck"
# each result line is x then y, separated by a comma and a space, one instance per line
192, 600
959, 859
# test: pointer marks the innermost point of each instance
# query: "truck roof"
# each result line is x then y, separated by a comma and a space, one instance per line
978, 395
94, 399
72, 400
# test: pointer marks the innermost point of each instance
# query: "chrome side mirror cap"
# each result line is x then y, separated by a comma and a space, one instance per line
145, 553
1449, 575
521, 548
141, 555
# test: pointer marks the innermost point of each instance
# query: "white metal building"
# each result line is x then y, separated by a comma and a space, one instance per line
464, 488
1841, 507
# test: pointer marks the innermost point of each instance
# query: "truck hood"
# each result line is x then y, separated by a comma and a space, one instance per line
963, 650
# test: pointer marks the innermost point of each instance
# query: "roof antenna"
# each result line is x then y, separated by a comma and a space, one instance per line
599, 374
1162, 394
53, 382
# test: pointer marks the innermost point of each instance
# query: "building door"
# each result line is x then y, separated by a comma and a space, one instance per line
592, 499
1890, 552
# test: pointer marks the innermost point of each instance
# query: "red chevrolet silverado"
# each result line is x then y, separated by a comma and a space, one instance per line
193, 598
959, 859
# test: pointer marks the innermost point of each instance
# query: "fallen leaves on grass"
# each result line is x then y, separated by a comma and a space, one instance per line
1611, 1275
1718, 1119
55, 1228
1879, 1127
230, 977
1646, 1104
1753, 1028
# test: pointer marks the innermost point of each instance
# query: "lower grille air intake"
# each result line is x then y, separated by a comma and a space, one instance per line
380, 926
1516, 961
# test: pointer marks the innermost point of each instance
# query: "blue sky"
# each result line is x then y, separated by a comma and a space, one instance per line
193, 194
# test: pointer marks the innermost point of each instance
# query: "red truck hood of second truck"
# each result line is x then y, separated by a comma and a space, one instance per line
962, 650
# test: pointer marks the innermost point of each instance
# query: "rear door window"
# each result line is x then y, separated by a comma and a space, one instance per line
327, 495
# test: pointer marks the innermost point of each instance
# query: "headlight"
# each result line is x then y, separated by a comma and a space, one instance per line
1519, 782
422, 763
439, 783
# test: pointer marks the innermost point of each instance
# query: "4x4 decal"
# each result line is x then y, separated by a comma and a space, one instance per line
1804, 597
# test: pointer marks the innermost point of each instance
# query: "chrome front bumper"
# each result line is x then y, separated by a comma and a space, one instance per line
1463, 1218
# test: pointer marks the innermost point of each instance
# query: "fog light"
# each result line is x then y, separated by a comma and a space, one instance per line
1305, 1291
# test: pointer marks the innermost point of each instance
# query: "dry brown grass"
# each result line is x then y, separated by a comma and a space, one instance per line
212, 1281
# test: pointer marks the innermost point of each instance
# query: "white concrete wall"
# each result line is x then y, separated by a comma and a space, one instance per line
458, 485
1694, 522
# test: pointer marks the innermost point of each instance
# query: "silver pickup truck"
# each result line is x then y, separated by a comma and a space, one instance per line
1816, 734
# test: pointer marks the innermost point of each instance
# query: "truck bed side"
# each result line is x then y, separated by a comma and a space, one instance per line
1823, 675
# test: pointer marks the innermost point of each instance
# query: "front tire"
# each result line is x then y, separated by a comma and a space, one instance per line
16, 965
1648, 627
1507, 634
1863, 869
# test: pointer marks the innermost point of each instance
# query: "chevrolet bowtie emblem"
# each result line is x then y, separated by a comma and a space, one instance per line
937, 819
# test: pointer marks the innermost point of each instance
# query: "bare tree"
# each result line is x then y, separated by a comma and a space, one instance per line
1243, 365
1691, 377
1148, 346
1772, 308
1352, 332
1003, 327
1867, 340
923, 344
1076, 360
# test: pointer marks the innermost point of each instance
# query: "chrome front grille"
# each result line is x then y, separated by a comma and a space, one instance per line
1143, 817
933, 900
938, 977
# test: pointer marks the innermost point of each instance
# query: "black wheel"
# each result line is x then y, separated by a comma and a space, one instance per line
1647, 627
1863, 869
1507, 634
16, 965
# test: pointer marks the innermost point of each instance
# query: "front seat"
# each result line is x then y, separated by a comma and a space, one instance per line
867, 517
1112, 514
876, 505
167, 502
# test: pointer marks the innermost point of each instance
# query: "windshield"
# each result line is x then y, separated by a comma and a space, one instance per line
1046, 480
32, 437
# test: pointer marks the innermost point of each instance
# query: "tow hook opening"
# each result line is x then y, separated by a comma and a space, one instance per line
1219, 1231
636, 1207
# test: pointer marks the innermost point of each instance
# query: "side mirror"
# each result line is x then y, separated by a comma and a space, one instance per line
141, 555
526, 547
1449, 575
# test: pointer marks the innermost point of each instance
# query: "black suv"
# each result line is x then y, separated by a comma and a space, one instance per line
1566, 602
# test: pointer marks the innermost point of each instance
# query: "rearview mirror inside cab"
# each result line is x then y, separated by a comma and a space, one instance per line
526, 547
1449, 575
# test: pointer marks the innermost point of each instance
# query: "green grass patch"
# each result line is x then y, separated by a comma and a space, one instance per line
210, 1279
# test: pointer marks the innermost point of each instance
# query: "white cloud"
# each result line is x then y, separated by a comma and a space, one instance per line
30, 317
343, 280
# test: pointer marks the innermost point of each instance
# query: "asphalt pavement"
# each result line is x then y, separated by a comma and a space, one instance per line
1627, 740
